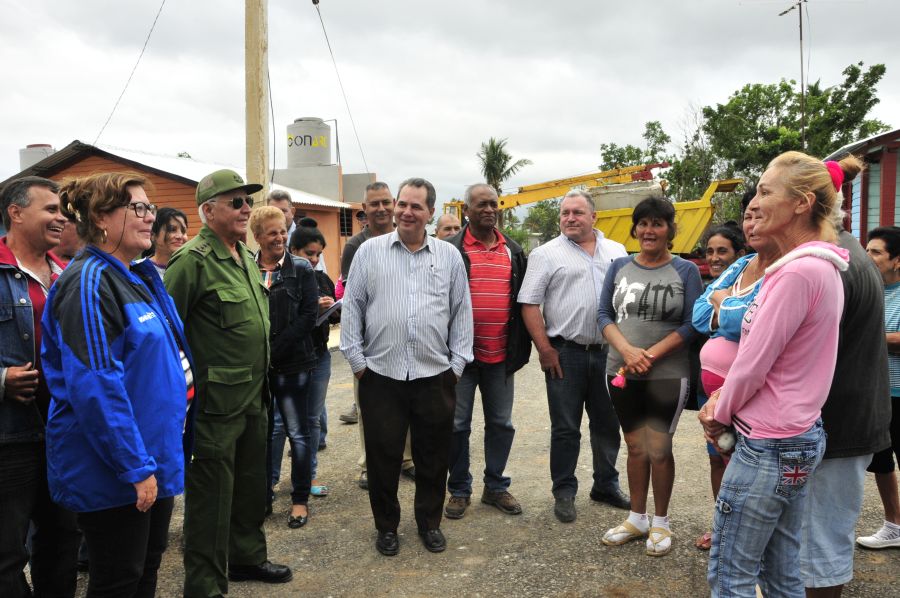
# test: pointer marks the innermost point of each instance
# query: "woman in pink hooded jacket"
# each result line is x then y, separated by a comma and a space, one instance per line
774, 392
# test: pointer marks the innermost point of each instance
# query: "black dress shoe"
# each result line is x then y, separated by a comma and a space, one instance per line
615, 498
433, 540
409, 473
267, 572
297, 522
387, 543
564, 509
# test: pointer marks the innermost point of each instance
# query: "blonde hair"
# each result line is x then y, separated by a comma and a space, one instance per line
803, 174
84, 199
261, 215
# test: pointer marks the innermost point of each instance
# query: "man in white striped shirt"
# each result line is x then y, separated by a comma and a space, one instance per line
406, 330
566, 276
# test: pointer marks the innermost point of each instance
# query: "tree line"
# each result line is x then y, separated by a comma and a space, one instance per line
734, 139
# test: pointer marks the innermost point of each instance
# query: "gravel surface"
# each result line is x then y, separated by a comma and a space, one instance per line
490, 553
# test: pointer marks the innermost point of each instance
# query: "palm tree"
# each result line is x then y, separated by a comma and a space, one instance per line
496, 163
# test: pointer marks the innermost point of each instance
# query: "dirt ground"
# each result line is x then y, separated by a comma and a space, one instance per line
490, 553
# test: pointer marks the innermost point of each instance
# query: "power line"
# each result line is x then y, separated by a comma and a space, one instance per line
344, 93
272, 108
808, 40
141, 55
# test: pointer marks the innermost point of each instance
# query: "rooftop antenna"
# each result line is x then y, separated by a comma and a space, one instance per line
799, 6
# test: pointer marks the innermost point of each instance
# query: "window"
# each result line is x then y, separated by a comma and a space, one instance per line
346, 222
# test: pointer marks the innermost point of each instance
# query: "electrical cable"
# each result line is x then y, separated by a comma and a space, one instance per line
141, 55
808, 40
272, 108
344, 93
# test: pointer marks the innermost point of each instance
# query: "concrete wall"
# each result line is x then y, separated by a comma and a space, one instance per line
318, 180
355, 186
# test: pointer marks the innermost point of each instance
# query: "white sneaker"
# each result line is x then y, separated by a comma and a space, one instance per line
883, 538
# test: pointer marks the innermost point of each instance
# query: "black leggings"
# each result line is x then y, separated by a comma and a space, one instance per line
125, 548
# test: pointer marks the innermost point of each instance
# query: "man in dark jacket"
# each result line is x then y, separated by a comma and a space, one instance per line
32, 215
495, 265
856, 416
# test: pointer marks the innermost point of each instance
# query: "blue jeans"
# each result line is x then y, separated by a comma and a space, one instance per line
292, 416
582, 388
759, 516
316, 390
497, 400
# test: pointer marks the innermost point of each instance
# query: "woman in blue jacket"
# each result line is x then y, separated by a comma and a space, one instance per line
117, 365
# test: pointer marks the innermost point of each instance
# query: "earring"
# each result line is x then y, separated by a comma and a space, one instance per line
103, 237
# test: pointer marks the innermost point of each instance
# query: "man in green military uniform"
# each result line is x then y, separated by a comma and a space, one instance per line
221, 299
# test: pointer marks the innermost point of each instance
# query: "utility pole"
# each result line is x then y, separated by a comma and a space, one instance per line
799, 6
256, 49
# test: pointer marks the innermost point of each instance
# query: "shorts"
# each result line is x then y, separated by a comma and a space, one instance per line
833, 503
654, 403
883, 461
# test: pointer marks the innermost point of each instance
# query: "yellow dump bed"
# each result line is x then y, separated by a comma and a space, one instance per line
691, 218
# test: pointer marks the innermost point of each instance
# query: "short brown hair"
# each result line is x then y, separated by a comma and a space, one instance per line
261, 215
83, 199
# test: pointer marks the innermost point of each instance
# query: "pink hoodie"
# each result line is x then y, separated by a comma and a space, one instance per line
789, 336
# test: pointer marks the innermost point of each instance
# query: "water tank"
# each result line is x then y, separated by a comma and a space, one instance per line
34, 153
309, 143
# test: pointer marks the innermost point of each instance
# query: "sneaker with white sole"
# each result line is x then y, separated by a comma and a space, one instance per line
883, 538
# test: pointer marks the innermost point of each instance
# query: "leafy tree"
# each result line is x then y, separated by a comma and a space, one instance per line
543, 218
696, 164
517, 234
497, 164
760, 121
614, 156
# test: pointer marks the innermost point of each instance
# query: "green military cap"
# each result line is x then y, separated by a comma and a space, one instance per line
222, 181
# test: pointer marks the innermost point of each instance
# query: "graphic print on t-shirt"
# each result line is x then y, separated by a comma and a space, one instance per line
655, 301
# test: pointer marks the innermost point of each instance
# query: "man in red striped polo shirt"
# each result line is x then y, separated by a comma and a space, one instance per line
495, 265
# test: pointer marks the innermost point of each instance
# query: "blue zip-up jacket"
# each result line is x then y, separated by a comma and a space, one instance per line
112, 364
731, 312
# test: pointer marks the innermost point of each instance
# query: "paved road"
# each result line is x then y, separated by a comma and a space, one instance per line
490, 553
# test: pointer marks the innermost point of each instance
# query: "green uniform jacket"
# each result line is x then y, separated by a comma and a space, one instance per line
226, 320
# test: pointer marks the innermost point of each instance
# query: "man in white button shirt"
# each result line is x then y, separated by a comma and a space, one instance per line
406, 330
565, 276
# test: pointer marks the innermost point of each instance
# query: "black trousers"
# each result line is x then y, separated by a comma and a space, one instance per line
389, 408
125, 548
24, 498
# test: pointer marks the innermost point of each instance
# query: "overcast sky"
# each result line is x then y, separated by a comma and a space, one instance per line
427, 81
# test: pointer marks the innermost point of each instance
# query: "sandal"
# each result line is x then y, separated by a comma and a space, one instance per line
319, 491
628, 529
653, 544
704, 542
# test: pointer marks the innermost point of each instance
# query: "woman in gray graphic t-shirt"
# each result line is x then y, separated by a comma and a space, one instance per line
645, 314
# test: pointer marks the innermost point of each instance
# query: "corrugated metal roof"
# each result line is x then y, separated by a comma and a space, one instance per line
187, 169
851, 148
196, 170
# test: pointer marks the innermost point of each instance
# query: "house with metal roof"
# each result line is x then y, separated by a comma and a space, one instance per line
174, 180
873, 198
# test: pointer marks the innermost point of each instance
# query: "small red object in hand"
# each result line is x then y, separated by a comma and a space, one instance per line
619, 380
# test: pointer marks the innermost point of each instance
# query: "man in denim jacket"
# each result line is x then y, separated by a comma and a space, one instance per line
31, 213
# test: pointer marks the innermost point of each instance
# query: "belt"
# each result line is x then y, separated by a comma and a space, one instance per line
558, 340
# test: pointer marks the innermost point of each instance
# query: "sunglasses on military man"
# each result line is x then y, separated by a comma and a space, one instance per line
238, 202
